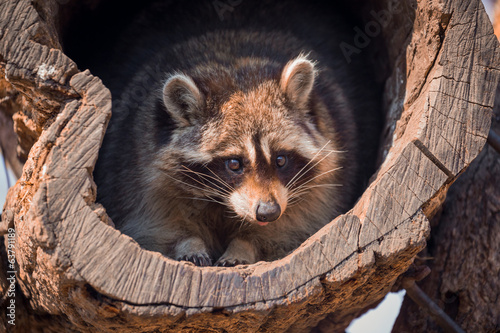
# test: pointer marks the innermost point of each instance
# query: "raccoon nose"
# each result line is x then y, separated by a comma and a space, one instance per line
268, 211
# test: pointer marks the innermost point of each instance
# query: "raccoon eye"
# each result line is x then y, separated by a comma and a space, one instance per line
233, 165
281, 161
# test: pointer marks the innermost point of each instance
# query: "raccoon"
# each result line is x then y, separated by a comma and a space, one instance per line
233, 147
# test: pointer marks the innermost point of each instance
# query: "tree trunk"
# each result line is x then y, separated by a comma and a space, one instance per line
464, 247
75, 272
463, 252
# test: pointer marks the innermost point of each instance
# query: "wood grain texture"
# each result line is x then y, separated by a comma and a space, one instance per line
79, 273
463, 251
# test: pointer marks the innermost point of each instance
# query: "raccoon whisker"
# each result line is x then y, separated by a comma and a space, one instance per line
233, 216
301, 189
193, 186
310, 168
240, 222
214, 191
317, 185
298, 194
183, 182
205, 178
220, 202
305, 166
335, 151
244, 222
221, 180
324, 185
295, 201
203, 199
310, 180
209, 189
321, 174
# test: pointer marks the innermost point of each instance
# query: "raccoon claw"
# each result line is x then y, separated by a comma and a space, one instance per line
230, 262
199, 259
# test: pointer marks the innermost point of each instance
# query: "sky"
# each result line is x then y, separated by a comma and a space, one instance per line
488, 5
382, 318
3, 181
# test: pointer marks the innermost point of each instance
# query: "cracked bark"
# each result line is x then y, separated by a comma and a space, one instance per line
463, 251
463, 248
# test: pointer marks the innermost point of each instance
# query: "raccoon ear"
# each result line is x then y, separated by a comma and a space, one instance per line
297, 80
183, 99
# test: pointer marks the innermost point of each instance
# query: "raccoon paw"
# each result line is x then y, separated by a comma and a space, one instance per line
238, 252
230, 262
199, 259
193, 249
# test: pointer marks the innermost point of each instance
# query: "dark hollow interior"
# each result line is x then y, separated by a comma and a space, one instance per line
96, 34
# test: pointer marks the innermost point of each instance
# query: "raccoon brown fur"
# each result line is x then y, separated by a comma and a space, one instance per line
239, 145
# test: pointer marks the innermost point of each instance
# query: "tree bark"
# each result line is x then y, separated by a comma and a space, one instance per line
463, 252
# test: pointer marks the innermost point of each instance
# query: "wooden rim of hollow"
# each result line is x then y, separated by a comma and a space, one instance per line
441, 136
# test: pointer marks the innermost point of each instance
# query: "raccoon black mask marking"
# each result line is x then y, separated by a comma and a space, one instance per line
250, 164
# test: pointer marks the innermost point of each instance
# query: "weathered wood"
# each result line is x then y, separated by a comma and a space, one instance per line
463, 246
463, 252
77, 270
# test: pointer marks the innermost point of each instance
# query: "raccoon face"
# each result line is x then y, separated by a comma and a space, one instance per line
260, 181
260, 150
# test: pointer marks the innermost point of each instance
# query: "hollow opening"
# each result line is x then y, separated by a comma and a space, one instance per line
114, 40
